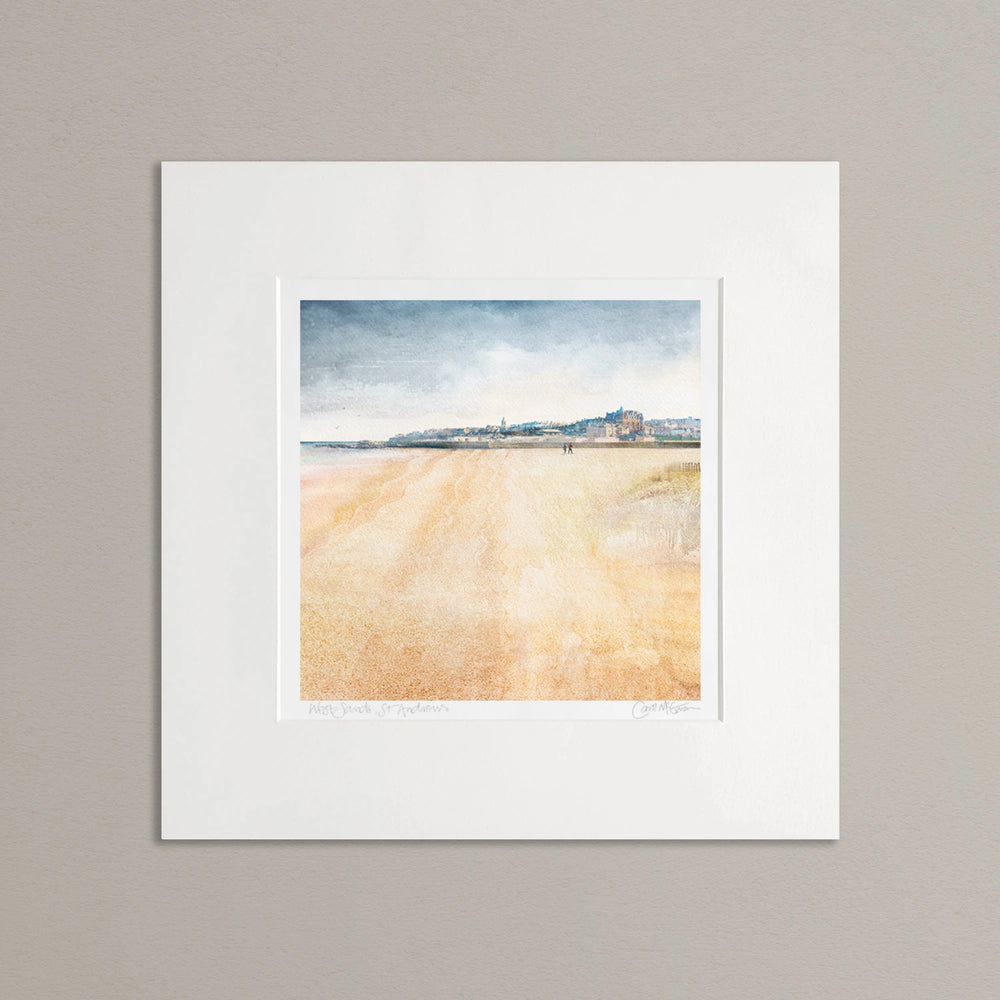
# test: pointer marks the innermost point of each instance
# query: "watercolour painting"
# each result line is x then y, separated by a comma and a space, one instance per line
502, 504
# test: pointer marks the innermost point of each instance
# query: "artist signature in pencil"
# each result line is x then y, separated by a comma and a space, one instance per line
646, 709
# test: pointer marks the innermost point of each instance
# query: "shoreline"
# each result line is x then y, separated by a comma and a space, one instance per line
558, 443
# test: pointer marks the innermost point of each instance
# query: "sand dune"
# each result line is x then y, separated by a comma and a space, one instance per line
501, 574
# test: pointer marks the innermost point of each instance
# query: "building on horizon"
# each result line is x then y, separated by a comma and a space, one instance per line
598, 430
623, 424
626, 421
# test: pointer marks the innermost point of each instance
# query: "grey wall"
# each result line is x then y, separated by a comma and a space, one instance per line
95, 95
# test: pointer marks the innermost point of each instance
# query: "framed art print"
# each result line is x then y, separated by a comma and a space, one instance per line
471, 529
500, 501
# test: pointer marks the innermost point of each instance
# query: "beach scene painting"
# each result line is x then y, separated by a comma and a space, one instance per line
500, 501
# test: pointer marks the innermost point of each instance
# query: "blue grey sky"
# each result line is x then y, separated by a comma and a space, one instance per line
371, 369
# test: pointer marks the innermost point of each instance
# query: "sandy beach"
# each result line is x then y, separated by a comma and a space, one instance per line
500, 574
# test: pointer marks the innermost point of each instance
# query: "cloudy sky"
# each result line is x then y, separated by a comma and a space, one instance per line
371, 369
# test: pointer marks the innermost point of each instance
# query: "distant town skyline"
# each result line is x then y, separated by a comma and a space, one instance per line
612, 423
381, 368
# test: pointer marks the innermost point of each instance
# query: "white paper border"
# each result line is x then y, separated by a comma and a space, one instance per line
290, 295
770, 770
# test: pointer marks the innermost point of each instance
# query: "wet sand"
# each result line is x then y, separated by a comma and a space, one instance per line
506, 574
